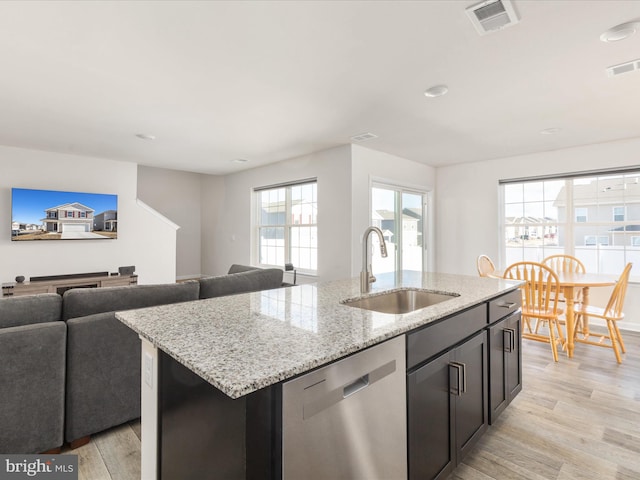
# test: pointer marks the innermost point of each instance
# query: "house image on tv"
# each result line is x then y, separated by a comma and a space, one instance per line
70, 217
106, 221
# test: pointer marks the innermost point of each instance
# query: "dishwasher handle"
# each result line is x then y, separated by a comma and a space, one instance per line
320, 401
356, 386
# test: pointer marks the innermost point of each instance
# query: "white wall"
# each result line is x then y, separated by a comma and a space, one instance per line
344, 175
214, 243
230, 223
368, 165
178, 196
467, 203
144, 240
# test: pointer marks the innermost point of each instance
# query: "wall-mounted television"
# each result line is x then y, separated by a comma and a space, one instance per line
54, 215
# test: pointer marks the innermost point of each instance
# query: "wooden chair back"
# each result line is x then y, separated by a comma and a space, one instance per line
614, 308
485, 266
539, 290
564, 263
539, 302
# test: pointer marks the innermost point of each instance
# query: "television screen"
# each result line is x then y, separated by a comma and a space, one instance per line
52, 215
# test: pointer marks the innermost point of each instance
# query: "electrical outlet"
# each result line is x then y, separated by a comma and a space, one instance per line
148, 370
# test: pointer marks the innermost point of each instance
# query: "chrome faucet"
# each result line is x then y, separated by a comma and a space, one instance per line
366, 277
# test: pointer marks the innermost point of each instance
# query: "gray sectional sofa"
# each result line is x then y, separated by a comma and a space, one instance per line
69, 369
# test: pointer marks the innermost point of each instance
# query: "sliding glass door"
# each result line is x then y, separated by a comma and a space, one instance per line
400, 214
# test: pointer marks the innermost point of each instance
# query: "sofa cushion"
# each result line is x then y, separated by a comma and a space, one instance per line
248, 281
32, 374
80, 302
44, 307
103, 375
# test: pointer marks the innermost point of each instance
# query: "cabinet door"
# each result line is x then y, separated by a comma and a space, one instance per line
514, 358
470, 401
447, 402
505, 366
431, 447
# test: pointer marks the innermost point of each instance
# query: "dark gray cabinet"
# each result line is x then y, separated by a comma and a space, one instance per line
505, 357
505, 363
447, 396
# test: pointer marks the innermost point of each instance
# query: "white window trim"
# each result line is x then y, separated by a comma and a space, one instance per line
624, 213
428, 212
569, 248
255, 240
586, 214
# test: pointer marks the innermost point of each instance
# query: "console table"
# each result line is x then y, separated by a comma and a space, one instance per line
61, 283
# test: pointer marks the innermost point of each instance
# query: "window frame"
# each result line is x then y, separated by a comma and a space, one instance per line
614, 245
576, 215
288, 225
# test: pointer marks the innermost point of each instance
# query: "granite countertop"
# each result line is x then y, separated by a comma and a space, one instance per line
242, 343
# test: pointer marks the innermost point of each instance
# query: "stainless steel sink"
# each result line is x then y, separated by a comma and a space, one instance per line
400, 301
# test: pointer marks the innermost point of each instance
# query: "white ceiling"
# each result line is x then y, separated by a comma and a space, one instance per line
265, 81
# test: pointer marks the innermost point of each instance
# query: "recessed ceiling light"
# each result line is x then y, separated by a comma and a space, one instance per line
145, 136
239, 160
436, 91
620, 32
550, 131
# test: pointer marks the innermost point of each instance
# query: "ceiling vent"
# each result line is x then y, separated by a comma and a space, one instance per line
492, 15
363, 136
623, 68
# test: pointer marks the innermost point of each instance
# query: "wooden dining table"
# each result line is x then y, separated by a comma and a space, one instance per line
569, 282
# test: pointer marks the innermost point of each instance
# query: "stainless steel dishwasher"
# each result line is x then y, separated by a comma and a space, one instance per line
348, 420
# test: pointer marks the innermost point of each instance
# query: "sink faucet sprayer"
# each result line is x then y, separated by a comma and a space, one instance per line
366, 277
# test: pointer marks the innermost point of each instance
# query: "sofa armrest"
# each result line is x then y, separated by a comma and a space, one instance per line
237, 268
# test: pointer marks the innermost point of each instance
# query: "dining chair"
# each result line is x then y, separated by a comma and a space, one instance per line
564, 263
568, 263
612, 313
539, 302
485, 266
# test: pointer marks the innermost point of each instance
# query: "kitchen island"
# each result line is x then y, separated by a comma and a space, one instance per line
213, 369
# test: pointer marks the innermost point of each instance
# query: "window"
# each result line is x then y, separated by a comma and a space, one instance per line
83, 214
592, 216
581, 215
400, 213
287, 230
590, 240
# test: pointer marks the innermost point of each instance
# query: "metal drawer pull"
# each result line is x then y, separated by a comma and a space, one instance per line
508, 305
510, 342
461, 386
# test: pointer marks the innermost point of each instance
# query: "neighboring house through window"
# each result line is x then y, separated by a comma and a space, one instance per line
286, 225
603, 231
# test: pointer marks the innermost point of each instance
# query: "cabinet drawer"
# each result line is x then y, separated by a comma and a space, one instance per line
504, 305
435, 338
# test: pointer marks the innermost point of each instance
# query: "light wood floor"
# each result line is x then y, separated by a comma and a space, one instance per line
575, 419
